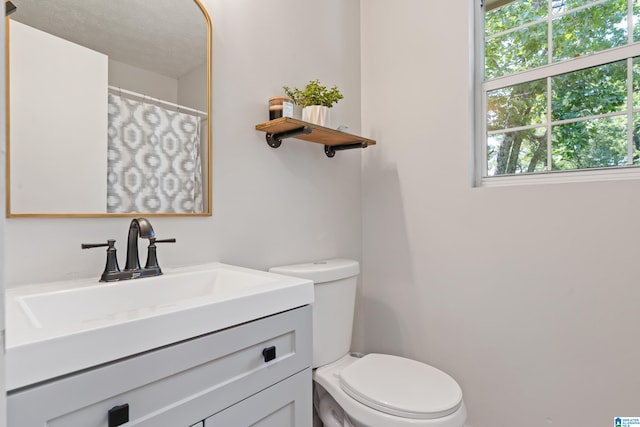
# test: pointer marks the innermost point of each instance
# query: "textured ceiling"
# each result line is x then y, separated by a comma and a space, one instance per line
165, 36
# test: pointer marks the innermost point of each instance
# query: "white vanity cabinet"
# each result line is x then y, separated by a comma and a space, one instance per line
257, 373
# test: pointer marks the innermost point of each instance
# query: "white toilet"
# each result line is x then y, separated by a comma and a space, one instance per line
375, 390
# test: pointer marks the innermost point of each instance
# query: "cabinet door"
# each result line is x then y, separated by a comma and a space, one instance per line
285, 404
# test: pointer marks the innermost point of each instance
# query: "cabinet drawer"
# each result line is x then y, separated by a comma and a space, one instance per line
177, 385
286, 404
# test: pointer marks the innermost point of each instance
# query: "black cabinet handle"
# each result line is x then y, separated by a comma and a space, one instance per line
118, 415
269, 353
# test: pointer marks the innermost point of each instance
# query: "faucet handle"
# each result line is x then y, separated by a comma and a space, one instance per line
172, 240
111, 266
97, 245
152, 258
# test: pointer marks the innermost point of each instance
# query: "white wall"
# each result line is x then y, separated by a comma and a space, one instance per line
270, 206
142, 81
190, 93
527, 295
58, 116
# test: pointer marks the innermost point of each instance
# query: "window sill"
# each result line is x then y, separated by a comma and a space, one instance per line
625, 173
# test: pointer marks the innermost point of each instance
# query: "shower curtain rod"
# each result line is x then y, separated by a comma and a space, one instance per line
180, 108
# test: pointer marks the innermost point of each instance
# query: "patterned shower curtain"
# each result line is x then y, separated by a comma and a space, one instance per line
154, 160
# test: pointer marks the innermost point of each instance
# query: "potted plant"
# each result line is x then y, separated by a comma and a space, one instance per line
315, 100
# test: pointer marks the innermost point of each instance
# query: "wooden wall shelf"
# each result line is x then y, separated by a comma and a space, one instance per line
333, 140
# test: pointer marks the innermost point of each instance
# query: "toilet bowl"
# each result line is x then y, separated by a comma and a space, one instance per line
373, 390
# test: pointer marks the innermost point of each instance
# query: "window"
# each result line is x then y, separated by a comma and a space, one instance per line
559, 85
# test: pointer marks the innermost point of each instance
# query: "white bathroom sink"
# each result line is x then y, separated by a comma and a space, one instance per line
60, 327
131, 299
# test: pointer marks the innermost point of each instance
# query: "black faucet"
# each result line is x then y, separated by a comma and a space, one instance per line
139, 227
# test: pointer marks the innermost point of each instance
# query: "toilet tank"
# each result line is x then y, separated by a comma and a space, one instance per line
334, 288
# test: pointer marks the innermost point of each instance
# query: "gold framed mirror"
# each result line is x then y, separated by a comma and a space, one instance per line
108, 108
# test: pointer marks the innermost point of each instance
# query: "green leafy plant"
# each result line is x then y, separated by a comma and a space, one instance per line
314, 94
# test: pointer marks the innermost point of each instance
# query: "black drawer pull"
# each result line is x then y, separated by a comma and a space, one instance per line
119, 415
269, 353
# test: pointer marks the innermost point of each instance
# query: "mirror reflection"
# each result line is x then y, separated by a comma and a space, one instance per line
109, 108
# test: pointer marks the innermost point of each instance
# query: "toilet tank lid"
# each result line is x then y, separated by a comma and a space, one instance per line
321, 271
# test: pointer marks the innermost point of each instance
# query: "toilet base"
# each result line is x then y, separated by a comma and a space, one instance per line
327, 410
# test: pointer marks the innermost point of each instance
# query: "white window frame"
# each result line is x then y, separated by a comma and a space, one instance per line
627, 52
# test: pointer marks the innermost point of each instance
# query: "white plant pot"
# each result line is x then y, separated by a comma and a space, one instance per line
297, 111
316, 114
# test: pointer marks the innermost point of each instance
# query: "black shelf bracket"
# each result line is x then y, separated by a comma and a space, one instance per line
330, 150
275, 139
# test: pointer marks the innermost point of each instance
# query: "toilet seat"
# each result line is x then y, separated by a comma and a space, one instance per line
328, 378
401, 387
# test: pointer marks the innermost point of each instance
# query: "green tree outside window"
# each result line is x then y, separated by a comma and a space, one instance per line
585, 110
